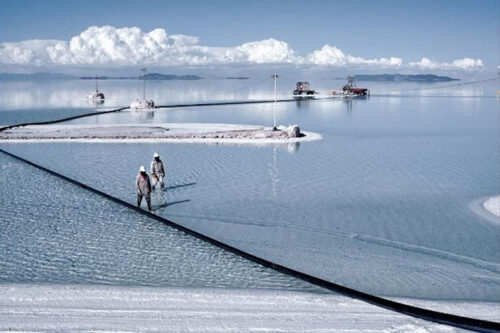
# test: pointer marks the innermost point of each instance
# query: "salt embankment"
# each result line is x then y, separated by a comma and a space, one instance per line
164, 132
492, 205
488, 208
72, 308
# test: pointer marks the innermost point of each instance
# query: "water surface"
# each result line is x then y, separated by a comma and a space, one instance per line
52, 231
381, 204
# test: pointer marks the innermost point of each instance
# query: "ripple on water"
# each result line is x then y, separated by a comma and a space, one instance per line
55, 232
380, 205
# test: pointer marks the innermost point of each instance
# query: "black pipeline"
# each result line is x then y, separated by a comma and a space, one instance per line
50, 122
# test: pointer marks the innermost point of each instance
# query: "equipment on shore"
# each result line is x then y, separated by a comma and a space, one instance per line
350, 90
303, 90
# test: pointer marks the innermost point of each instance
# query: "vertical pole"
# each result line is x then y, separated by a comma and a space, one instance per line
275, 98
275, 76
96, 83
143, 83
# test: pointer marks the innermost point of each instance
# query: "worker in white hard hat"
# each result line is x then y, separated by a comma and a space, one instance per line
157, 171
143, 187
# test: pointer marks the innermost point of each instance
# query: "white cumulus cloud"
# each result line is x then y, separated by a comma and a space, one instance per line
124, 46
265, 51
28, 52
464, 64
130, 46
333, 56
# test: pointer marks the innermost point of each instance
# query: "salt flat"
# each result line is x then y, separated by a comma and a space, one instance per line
84, 308
162, 132
493, 205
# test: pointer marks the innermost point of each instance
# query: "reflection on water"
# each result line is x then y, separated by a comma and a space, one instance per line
274, 173
302, 104
293, 147
95, 102
18, 95
141, 115
348, 104
73, 236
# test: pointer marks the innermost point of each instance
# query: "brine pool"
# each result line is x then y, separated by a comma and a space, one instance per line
381, 204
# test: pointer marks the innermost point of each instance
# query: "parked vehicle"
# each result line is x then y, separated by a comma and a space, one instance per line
303, 90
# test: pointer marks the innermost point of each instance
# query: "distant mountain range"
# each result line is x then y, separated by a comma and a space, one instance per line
59, 76
403, 78
237, 78
35, 76
150, 76
425, 78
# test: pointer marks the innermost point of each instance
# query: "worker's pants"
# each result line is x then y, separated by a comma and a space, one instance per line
156, 180
148, 200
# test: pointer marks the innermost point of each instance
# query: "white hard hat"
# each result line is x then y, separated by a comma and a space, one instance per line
156, 155
142, 168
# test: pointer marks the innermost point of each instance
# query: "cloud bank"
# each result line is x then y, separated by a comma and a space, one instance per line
332, 56
465, 63
130, 46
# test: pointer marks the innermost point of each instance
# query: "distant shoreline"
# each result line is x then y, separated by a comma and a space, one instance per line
395, 78
150, 76
60, 76
237, 78
418, 78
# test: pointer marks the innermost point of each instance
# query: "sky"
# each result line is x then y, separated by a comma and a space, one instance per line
385, 34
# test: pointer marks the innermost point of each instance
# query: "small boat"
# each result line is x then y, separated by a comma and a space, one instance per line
143, 104
303, 90
350, 90
96, 95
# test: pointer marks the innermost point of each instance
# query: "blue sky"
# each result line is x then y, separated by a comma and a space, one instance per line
442, 31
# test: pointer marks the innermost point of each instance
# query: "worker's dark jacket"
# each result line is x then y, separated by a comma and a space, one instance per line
143, 184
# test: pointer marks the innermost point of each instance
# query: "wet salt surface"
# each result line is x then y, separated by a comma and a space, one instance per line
381, 204
52, 231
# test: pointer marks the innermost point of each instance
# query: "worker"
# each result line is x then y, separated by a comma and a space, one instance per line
157, 171
143, 187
